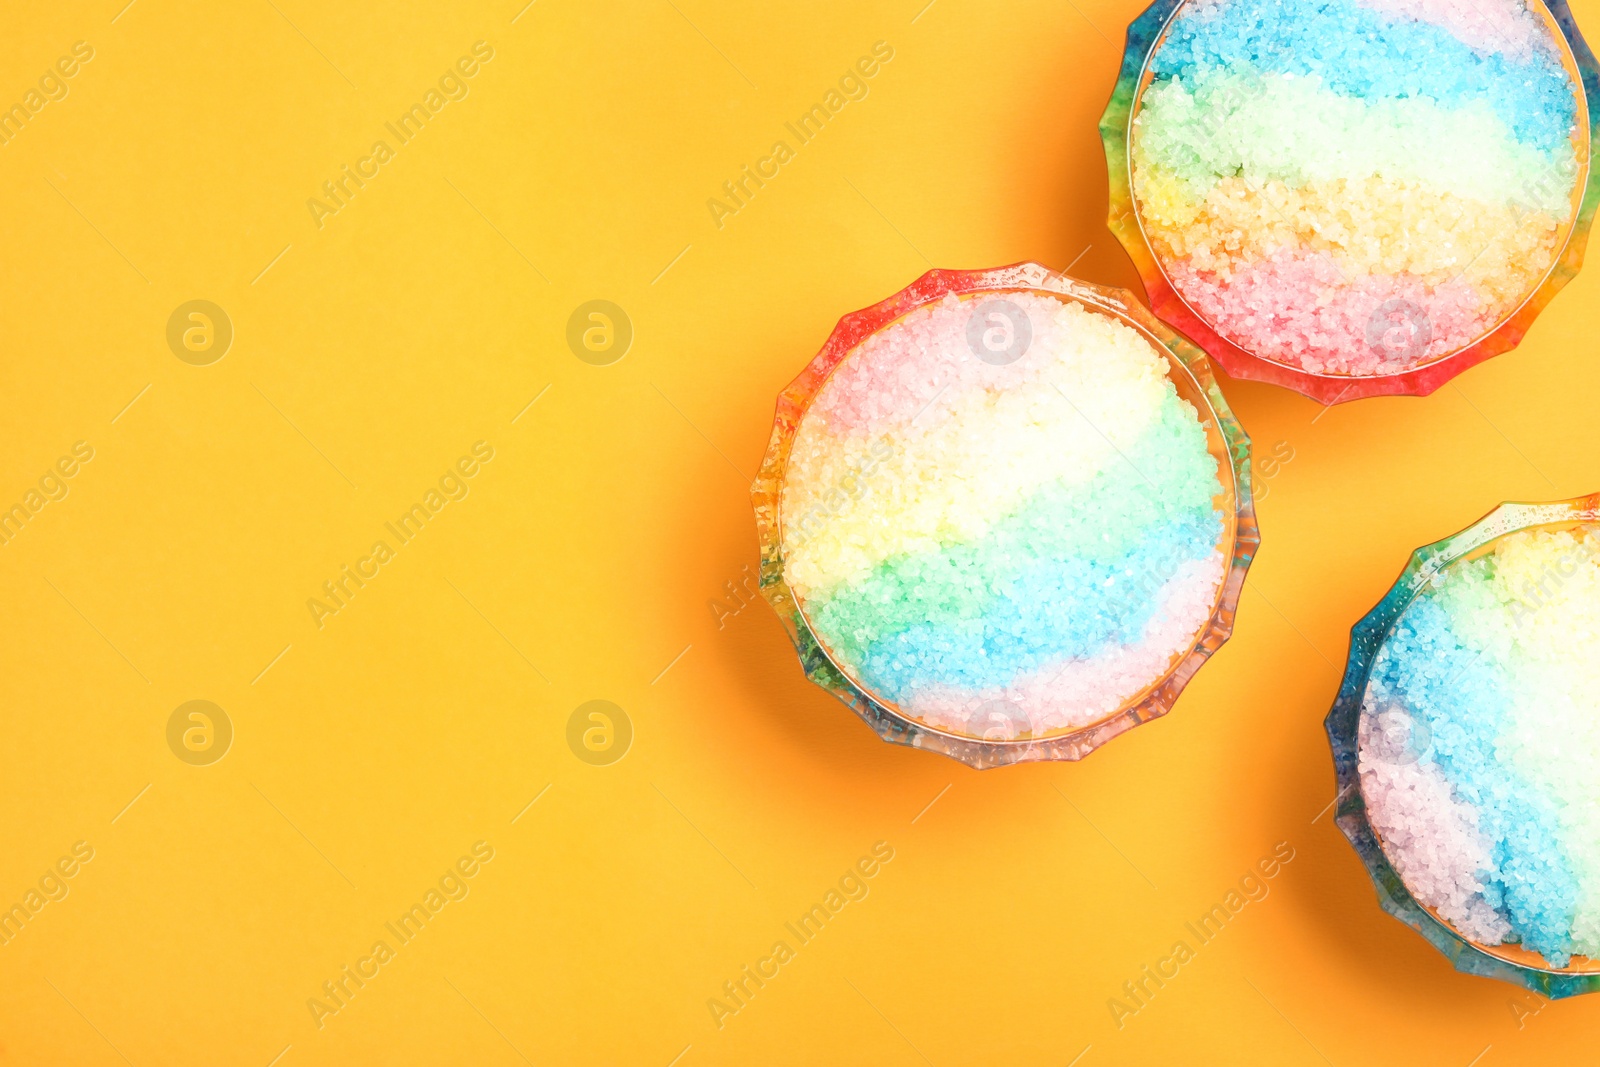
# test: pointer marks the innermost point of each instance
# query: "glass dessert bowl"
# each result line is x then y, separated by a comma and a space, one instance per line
1353, 198
1005, 515
1466, 738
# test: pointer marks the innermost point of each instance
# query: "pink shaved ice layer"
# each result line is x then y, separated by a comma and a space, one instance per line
1484, 27
1297, 307
1358, 188
897, 372
1431, 838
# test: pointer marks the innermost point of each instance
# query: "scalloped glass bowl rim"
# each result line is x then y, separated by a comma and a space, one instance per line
1509, 962
1425, 377
966, 286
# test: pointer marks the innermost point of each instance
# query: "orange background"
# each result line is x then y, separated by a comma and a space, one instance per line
370, 754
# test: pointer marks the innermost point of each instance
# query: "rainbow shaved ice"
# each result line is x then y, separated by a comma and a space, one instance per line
1004, 550
1356, 187
1479, 745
